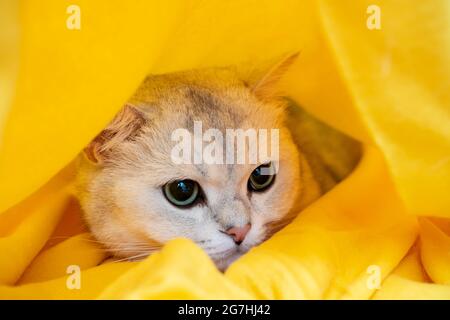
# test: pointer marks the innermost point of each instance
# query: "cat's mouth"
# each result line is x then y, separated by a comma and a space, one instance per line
241, 249
225, 261
223, 254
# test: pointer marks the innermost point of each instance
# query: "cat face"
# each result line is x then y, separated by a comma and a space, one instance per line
136, 198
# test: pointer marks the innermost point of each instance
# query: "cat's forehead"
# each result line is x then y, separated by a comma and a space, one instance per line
216, 109
217, 97
193, 104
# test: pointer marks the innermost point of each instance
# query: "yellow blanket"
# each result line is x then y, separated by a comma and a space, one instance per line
381, 74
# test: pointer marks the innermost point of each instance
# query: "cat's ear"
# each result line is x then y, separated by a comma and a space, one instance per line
125, 125
265, 87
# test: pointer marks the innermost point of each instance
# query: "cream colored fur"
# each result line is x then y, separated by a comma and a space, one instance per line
122, 172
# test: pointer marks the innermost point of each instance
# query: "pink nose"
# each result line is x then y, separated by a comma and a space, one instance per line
238, 233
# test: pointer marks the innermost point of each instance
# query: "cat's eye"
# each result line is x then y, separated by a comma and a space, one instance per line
182, 192
262, 177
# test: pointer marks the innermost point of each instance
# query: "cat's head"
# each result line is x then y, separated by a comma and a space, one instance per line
136, 196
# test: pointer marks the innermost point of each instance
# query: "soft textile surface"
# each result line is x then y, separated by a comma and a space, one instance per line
389, 221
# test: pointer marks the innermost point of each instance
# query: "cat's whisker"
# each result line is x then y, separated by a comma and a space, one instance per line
111, 243
141, 255
129, 250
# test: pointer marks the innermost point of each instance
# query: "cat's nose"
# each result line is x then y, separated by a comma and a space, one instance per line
238, 233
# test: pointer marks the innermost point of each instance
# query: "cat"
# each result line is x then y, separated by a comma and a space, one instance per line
135, 198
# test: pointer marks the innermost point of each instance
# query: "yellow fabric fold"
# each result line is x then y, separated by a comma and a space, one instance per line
382, 233
399, 79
